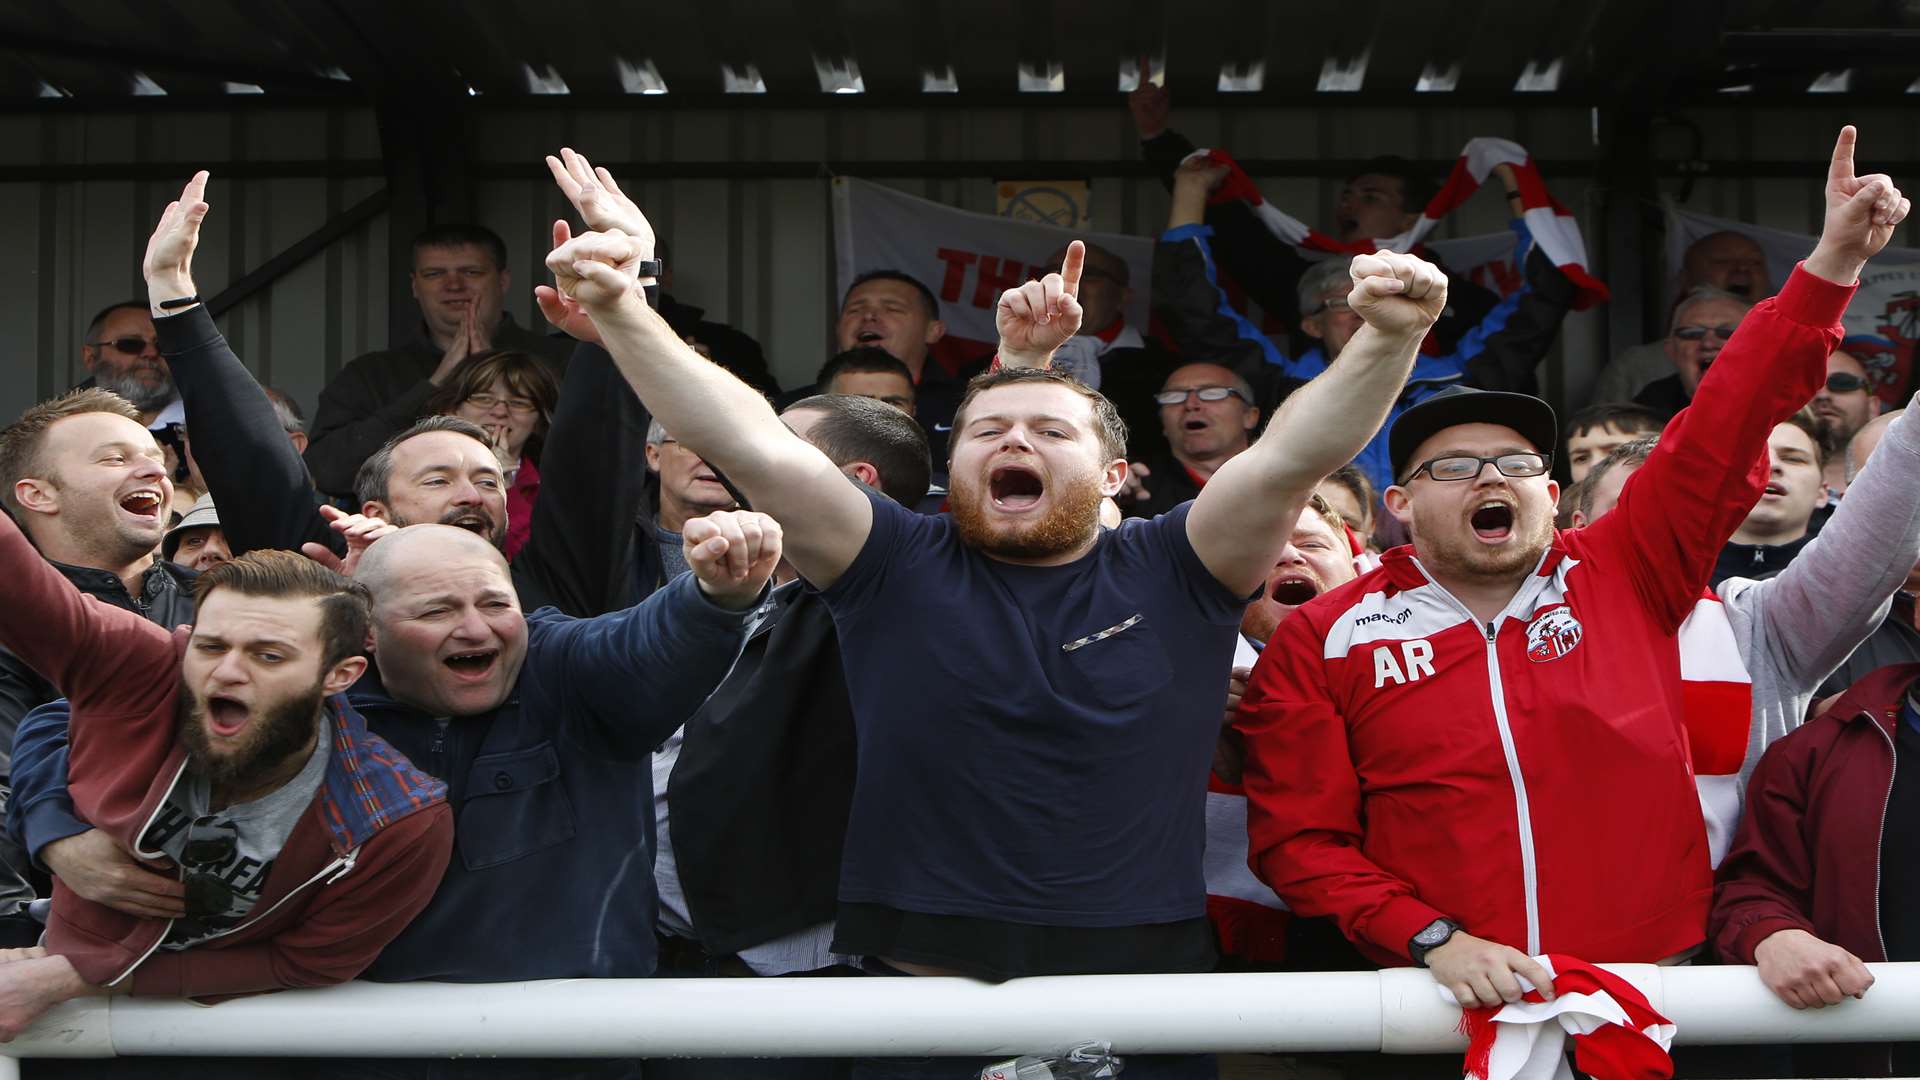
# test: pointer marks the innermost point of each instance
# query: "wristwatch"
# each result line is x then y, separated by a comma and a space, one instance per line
1431, 936
652, 267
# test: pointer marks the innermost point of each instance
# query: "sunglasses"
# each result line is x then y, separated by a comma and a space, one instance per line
1204, 393
1841, 382
1696, 333
1466, 467
132, 346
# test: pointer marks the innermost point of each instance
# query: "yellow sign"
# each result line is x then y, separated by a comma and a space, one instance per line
1063, 204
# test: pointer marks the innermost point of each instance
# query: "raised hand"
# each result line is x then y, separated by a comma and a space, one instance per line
565, 316
360, 530
168, 263
1148, 104
595, 271
458, 349
732, 554
602, 205
1036, 318
1397, 294
1199, 172
1862, 212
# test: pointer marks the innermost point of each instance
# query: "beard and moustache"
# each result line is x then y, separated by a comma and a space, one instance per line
1264, 615
282, 729
147, 397
466, 517
1455, 553
1072, 520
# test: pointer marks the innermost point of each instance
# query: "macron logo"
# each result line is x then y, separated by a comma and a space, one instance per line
1383, 617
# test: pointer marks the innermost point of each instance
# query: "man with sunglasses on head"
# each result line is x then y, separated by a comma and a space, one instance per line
1208, 416
1475, 753
1703, 323
227, 754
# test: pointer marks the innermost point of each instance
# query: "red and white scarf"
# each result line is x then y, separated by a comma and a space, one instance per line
1551, 223
1716, 697
1616, 1033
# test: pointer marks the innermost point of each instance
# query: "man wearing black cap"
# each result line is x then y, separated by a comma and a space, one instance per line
1477, 748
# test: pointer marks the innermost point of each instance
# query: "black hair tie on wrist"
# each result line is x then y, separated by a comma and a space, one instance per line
185, 301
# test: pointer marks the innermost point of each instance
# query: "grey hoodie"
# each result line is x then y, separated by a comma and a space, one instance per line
1795, 628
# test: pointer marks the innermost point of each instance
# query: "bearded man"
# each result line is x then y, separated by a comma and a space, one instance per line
225, 755
1041, 813
1475, 754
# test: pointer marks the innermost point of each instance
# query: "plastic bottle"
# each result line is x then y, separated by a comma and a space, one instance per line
1086, 1061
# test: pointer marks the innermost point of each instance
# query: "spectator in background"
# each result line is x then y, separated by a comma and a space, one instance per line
893, 310
1844, 404
122, 354
1515, 333
1594, 431
871, 372
1824, 877
1728, 261
197, 543
1208, 416
292, 420
1107, 354
1383, 199
718, 342
685, 488
1348, 491
510, 396
1778, 526
460, 280
1703, 323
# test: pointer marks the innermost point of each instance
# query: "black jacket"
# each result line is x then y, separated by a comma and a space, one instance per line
1664, 396
381, 394
1756, 560
1269, 270
1894, 641
758, 800
731, 348
1168, 484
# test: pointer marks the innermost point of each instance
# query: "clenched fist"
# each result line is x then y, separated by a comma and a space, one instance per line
732, 553
1396, 293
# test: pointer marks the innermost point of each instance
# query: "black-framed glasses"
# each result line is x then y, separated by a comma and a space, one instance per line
1204, 393
210, 848
132, 346
1466, 466
1697, 333
1845, 382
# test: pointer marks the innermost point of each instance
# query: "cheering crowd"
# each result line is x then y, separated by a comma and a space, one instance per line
563, 652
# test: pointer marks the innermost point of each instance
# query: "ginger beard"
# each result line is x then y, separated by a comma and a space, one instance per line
274, 731
1498, 534
1072, 519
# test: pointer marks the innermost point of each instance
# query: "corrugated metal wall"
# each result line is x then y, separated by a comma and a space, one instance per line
754, 252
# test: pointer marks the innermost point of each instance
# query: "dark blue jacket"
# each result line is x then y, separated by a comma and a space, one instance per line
552, 793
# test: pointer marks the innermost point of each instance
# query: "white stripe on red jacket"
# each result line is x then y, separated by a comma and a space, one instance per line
1529, 778
1553, 226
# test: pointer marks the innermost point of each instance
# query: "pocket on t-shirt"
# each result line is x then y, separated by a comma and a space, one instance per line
1117, 665
515, 806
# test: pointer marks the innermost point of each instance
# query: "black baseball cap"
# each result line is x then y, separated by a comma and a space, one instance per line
1524, 413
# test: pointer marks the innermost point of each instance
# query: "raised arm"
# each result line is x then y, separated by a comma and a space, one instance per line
1242, 518
710, 411
238, 441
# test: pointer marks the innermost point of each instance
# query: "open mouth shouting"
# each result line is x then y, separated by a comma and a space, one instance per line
1015, 489
145, 503
473, 665
474, 521
1492, 521
869, 336
226, 716
1295, 589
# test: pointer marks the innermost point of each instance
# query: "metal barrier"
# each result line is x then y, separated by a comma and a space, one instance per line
1396, 1011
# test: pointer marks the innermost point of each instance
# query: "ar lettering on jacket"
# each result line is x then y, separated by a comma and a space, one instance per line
1414, 661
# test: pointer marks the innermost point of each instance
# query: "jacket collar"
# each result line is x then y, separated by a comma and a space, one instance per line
1404, 571
161, 579
368, 784
1877, 698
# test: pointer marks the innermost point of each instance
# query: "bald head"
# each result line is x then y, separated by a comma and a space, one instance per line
417, 547
1860, 448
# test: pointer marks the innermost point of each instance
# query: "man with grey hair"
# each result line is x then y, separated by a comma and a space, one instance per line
1208, 415
292, 420
122, 354
684, 487
1724, 260
1499, 353
1701, 325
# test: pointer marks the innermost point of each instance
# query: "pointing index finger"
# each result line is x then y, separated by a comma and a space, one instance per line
1842, 167
1071, 267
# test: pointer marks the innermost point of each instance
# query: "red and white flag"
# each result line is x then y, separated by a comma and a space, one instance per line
1553, 226
1616, 1033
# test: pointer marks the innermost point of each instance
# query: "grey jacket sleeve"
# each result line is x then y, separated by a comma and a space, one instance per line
1809, 618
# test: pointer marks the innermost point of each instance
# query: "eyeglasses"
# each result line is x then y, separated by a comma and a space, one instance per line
1335, 303
1204, 393
1466, 466
203, 858
1696, 333
1841, 382
132, 346
514, 404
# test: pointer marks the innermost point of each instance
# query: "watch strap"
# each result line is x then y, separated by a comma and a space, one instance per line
652, 267
1440, 931
184, 301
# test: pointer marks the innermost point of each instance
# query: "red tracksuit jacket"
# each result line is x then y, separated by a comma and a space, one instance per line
1528, 779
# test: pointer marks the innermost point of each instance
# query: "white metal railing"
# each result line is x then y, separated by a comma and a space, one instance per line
1395, 1011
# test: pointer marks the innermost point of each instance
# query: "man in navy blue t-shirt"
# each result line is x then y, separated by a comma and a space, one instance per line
1040, 809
